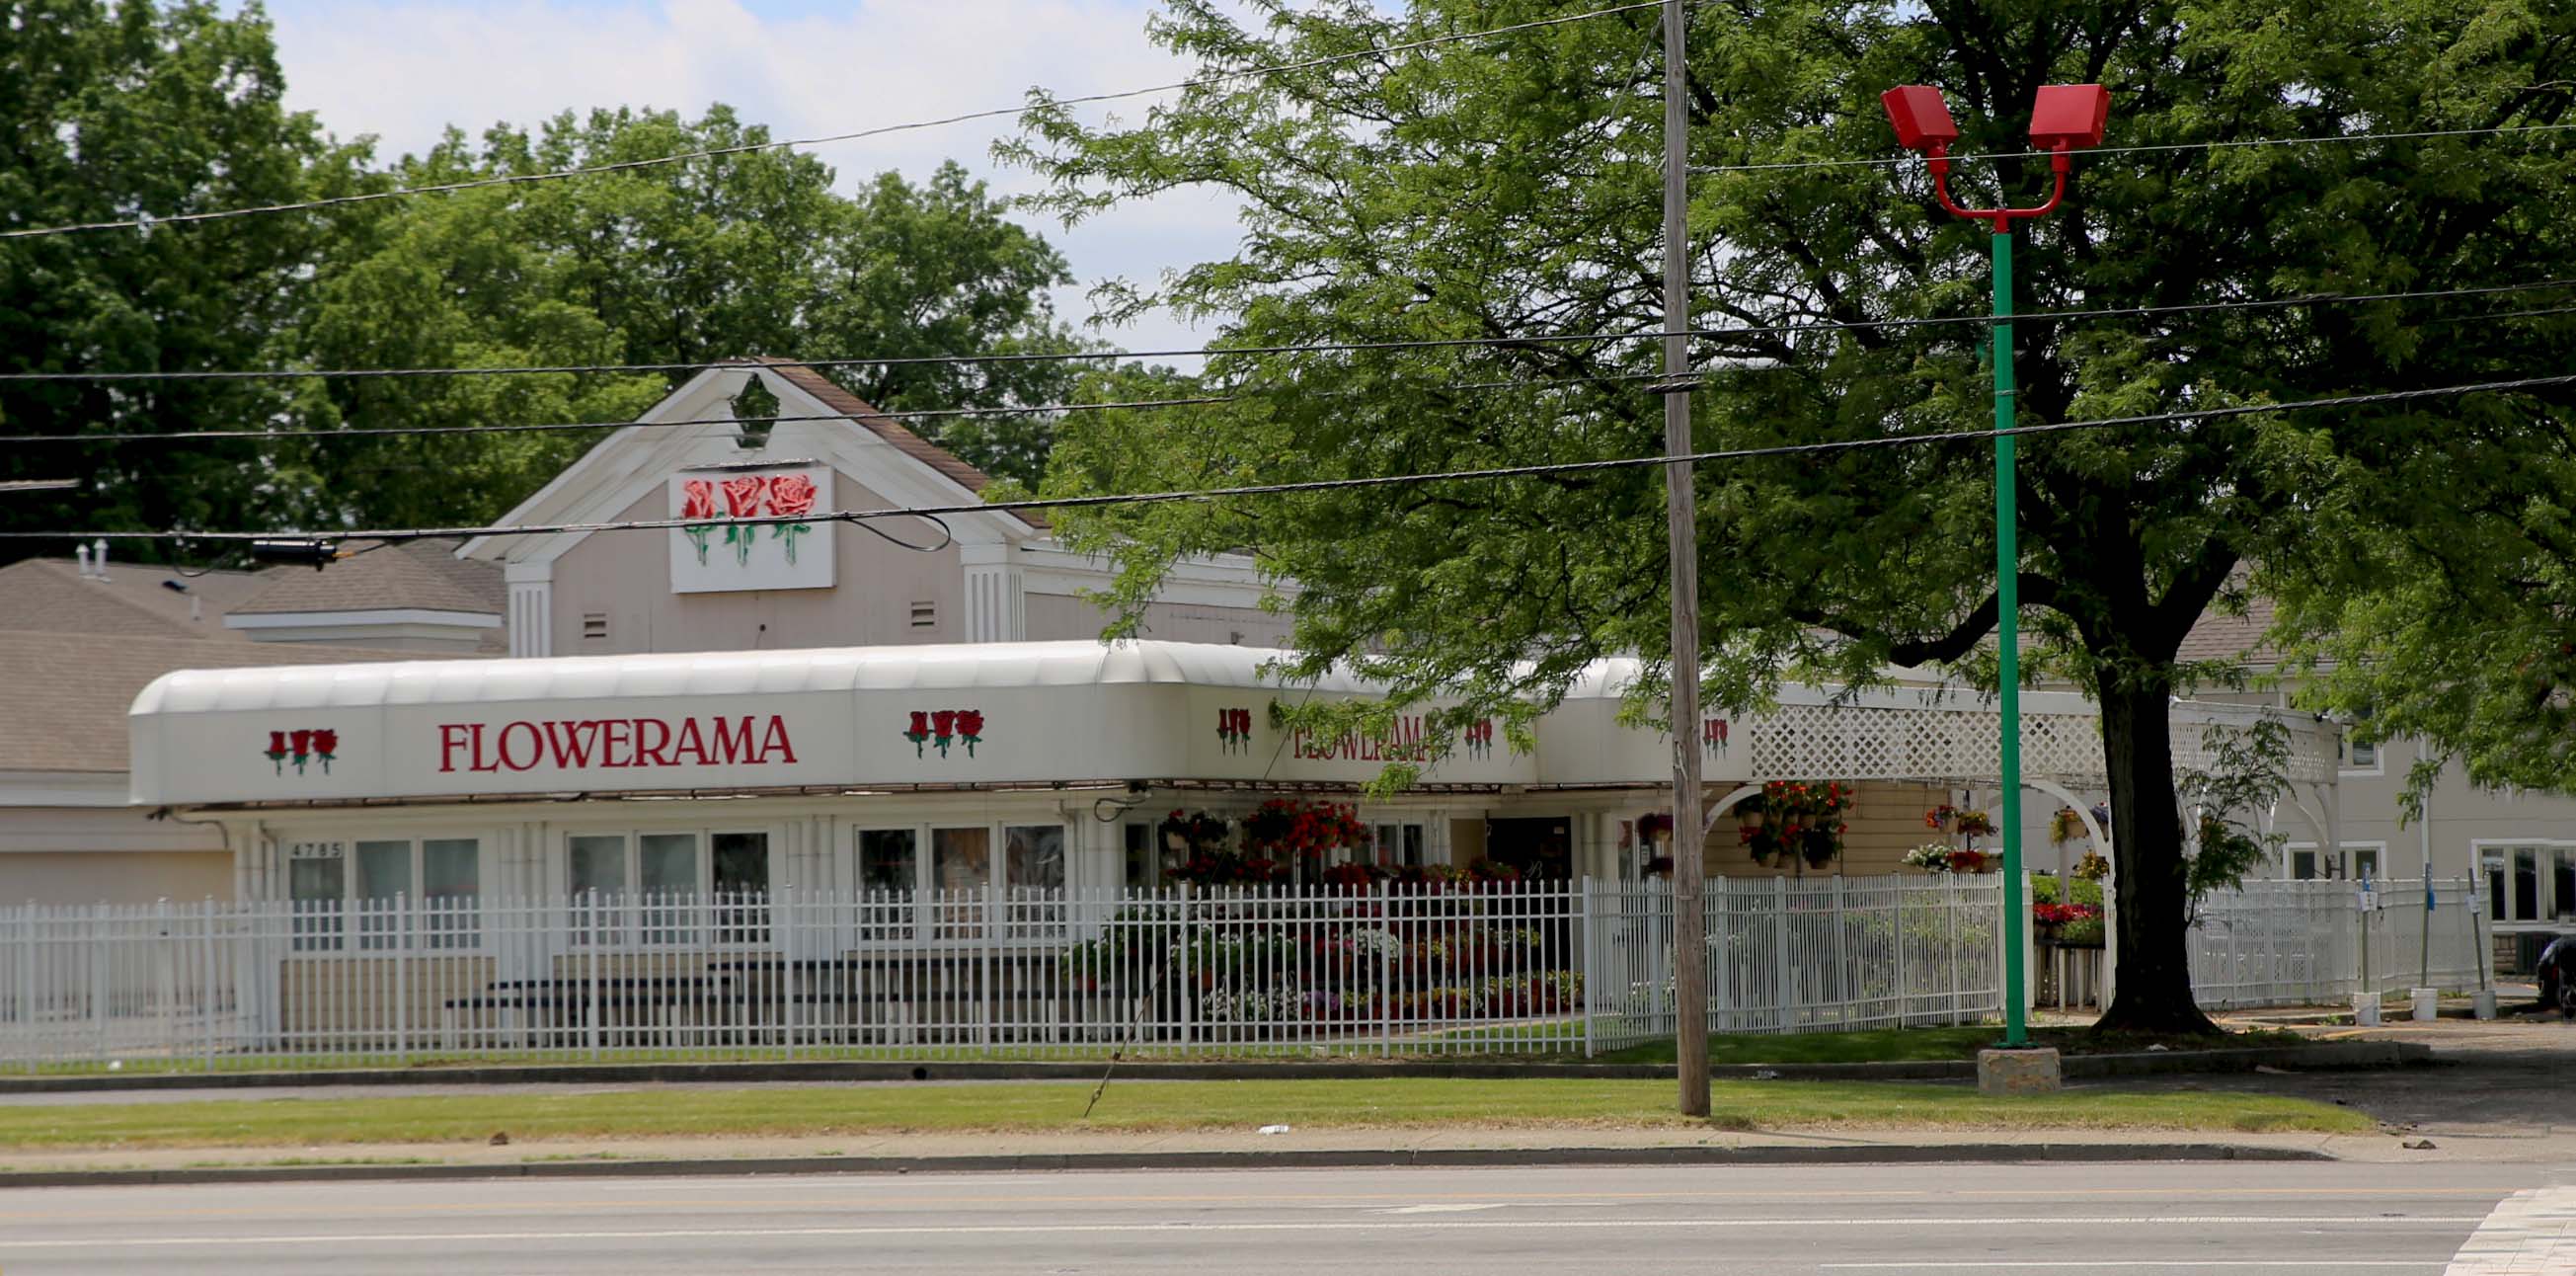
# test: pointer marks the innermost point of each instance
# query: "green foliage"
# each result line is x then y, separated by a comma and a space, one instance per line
1508, 187
167, 107
152, 110
2247, 776
733, 255
2044, 890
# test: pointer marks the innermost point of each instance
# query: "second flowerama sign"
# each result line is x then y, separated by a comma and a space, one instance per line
721, 548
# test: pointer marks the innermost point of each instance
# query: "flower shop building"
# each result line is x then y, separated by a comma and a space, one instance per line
1013, 765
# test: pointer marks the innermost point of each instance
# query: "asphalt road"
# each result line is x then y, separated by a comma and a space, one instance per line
2144, 1219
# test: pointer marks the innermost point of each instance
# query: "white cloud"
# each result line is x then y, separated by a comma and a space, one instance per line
404, 70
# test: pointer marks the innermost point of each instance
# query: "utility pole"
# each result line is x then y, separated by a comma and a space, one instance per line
1681, 516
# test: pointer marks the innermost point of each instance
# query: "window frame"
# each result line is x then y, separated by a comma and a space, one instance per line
2494, 858
349, 927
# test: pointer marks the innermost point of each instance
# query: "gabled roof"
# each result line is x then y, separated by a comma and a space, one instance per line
831, 395
417, 576
49, 595
691, 427
68, 703
2234, 639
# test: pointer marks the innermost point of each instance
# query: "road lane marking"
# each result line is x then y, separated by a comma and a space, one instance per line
1455, 1207
2530, 1233
2158, 1264
1170, 1229
881, 1194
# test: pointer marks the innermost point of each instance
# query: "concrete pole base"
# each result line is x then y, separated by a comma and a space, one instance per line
2483, 1004
2365, 1010
2428, 1004
2031, 1071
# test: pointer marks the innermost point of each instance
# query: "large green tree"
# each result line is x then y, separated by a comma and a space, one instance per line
1507, 189
738, 254
107, 113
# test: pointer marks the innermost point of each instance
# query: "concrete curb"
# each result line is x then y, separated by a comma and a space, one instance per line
2320, 1056
1369, 1158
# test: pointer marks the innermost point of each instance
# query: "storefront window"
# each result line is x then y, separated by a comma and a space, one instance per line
451, 876
667, 874
598, 864
1141, 865
2526, 884
741, 879
2562, 883
1036, 874
2303, 865
2495, 888
961, 864
2365, 865
889, 860
597, 876
1036, 857
1399, 846
316, 886
667, 864
384, 870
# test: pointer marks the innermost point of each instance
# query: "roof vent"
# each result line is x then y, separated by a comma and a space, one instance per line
925, 615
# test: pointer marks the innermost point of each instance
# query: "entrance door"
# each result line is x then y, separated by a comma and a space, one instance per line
1541, 849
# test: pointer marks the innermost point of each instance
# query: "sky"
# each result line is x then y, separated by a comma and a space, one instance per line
404, 70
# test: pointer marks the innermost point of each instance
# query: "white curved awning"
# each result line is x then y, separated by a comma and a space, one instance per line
975, 715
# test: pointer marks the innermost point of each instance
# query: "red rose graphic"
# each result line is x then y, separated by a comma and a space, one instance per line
943, 725
970, 728
742, 500
302, 741
697, 498
276, 751
918, 731
326, 746
791, 494
742, 496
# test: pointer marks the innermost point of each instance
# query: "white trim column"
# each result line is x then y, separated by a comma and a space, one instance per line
532, 607
995, 590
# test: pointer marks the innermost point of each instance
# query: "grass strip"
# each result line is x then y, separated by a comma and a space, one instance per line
1143, 1107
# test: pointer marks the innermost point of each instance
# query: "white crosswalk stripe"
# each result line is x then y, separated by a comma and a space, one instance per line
2530, 1233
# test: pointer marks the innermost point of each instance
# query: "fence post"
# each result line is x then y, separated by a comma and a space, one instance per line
1842, 959
1587, 966
206, 985
1188, 998
1904, 990
1784, 977
27, 979
403, 932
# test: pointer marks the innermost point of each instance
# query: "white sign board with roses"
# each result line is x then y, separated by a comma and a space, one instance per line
717, 551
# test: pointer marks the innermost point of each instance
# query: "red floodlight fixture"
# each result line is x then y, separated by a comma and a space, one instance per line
2066, 118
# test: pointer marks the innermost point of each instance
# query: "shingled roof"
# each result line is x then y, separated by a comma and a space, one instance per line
412, 576
825, 391
69, 715
49, 595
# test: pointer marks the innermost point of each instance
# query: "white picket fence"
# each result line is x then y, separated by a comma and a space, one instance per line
1380, 970
2273, 943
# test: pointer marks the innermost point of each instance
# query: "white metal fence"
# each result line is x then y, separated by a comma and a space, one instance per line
1817, 954
2273, 943
1401, 970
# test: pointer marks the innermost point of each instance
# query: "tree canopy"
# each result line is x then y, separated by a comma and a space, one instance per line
135, 109
1507, 190
163, 109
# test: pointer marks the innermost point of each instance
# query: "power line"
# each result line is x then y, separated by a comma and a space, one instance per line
2157, 148
1320, 347
400, 431
1042, 504
1222, 77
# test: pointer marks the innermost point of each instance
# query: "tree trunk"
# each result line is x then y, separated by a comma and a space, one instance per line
2153, 967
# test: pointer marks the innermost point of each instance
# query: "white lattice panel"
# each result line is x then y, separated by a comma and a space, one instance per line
1961, 744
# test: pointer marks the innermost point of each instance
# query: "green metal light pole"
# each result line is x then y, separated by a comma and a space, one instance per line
2066, 116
